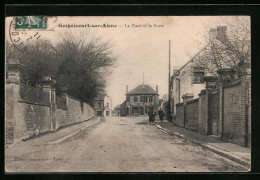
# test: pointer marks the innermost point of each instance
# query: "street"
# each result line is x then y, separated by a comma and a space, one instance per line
117, 144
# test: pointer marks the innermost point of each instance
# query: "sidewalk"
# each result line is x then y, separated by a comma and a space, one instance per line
57, 136
236, 153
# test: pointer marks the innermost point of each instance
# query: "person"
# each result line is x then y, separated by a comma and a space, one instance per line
154, 115
161, 114
150, 114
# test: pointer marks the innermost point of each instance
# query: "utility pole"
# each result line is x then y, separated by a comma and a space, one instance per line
143, 78
169, 115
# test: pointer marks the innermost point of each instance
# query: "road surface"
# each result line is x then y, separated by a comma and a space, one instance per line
117, 144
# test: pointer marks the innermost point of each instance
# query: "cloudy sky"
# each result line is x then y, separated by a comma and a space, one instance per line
141, 44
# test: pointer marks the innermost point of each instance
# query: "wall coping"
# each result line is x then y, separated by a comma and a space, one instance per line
193, 101
202, 92
38, 104
77, 99
233, 83
65, 108
179, 104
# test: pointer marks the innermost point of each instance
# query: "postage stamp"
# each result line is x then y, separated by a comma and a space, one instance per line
31, 22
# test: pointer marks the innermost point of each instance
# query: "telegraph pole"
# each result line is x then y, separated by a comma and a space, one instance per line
169, 116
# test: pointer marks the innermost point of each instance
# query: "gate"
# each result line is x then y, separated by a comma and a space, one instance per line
213, 113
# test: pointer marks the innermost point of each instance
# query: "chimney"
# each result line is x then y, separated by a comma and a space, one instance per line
126, 88
212, 33
157, 88
222, 33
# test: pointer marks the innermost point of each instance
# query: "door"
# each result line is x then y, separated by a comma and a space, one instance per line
135, 110
141, 110
99, 113
213, 114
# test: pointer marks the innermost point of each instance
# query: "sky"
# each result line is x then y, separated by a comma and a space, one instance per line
141, 44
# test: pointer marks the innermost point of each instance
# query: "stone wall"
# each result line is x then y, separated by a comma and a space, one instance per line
179, 120
223, 110
203, 113
31, 111
192, 114
233, 128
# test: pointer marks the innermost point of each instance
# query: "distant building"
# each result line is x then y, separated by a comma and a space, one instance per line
123, 109
103, 105
140, 99
116, 111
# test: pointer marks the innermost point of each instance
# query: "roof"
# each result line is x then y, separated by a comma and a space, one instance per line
118, 106
193, 58
100, 97
142, 89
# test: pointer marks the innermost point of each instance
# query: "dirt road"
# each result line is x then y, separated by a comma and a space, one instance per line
117, 144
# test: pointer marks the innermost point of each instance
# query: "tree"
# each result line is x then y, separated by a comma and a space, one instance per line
226, 46
38, 58
86, 62
81, 63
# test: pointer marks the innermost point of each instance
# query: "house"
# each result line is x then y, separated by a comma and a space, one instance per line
211, 92
189, 79
123, 109
140, 99
116, 111
102, 105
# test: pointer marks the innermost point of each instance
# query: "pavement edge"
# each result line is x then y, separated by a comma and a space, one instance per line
211, 148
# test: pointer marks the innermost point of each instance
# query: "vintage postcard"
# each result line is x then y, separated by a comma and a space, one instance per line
127, 94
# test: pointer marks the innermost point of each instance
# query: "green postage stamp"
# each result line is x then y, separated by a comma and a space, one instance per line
31, 22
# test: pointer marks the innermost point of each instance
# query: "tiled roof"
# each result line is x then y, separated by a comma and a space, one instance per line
142, 89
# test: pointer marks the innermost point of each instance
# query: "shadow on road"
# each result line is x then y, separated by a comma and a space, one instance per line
142, 123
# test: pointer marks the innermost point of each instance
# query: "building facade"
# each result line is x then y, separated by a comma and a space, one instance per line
103, 105
189, 79
141, 99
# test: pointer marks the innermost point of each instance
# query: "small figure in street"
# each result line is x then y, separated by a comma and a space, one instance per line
150, 114
154, 115
161, 114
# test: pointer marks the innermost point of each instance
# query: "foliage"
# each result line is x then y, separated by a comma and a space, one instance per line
81, 63
225, 46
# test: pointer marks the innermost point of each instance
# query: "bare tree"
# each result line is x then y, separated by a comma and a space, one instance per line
226, 46
86, 63
80, 62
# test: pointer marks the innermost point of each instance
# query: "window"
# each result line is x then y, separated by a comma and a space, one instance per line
198, 77
127, 99
99, 104
150, 98
142, 98
135, 99
107, 105
107, 113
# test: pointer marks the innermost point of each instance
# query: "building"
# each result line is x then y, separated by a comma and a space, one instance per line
141, 99
116, 111
102, 105
214, 100
189, 79
123, 109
